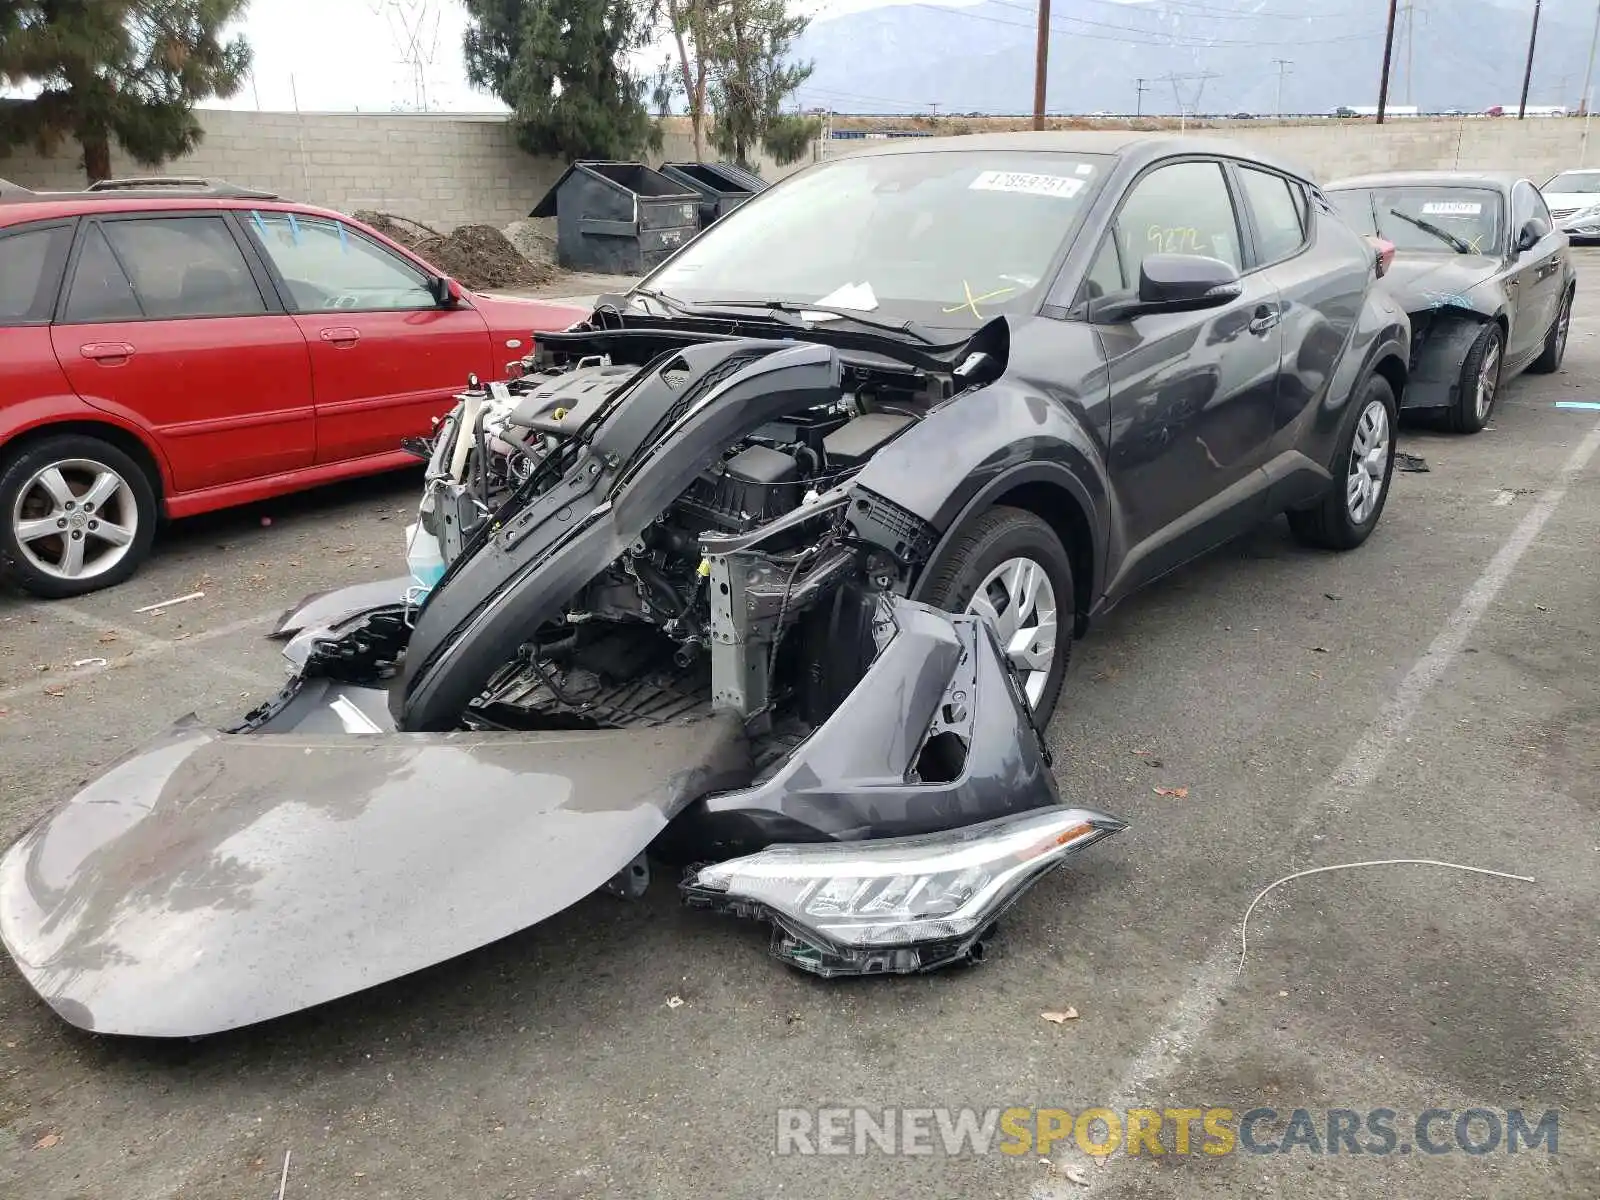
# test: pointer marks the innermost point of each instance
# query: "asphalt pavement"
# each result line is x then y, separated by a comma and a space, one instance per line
1433, 695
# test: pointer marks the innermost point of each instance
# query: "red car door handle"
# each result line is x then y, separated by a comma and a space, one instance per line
109, 353
341, 335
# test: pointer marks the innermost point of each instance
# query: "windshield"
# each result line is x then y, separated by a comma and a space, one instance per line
1579, 182
940, 238
1443, 220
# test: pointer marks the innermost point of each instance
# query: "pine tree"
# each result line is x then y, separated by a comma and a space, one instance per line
561, 66
128, 70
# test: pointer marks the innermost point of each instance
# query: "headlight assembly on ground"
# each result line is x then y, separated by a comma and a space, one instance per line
896, 905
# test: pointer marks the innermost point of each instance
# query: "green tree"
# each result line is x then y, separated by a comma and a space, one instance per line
748, 48
128, 70
561, 66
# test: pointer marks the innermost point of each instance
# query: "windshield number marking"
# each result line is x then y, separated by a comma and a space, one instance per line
1064, 186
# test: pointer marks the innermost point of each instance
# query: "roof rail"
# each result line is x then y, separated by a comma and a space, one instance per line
187, 183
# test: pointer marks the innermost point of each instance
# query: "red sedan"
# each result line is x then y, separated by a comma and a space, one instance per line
172, 350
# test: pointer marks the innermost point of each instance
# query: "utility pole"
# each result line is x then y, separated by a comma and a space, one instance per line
1588, 86
1410, 14
1138, 104
1388, 52
1283, 66
1527, 75
1041, 63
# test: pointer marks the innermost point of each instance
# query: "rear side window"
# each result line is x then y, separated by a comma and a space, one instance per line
30, 270
100, 289
1275, 203
185, 267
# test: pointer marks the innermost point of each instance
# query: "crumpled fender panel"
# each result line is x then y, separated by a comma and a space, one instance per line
211, 880
936, 676
329, 608
640, 460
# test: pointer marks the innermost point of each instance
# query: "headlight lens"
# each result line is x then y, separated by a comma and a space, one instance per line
896, 904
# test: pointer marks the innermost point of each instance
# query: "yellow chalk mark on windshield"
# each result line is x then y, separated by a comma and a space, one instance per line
972, 302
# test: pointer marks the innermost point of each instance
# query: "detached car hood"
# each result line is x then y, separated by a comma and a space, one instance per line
1424, 281
213, 880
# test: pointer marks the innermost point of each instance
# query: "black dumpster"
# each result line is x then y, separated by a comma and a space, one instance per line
722, 186
618, 218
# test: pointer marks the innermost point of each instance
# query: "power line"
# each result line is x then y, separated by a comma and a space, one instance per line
1171, 42
1141, 87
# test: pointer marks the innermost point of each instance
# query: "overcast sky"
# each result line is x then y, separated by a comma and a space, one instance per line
344, 55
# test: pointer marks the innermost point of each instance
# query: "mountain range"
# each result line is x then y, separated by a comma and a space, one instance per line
979, 58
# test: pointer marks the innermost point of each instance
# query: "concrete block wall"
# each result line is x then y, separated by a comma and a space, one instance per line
449, 170
441, 170
1537, 147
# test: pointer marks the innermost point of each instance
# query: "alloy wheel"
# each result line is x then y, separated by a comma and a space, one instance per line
1488, 379
75, 519
1563, 324
1019, 602
1369, 461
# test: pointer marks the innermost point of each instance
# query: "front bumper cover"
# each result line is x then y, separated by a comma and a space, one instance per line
216, 879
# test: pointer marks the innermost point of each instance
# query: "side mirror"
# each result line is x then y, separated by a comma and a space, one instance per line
446, 291
1174, 283
1533, 231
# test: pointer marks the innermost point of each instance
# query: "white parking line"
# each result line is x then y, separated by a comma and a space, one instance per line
1190, 1016
149, 648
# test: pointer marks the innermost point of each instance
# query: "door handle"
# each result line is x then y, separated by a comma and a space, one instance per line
1266, 317
110, 354
341, 335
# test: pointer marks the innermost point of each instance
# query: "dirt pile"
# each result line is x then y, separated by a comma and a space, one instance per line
478, 257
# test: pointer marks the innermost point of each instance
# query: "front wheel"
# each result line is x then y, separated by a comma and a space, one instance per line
1009, 566
1479, 382
76, 515
1555, 342
1349, 510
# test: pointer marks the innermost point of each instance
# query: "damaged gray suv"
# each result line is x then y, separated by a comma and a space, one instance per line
770, 569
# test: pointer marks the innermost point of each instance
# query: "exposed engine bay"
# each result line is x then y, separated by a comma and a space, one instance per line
749, 590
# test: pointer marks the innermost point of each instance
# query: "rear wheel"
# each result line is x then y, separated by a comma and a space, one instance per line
1480, 381
1009, 566
1349, 510
76, 515
1555, 342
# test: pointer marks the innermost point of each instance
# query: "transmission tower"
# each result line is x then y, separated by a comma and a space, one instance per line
414, 28
1180, 83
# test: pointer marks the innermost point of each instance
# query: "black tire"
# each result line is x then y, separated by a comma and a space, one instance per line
1465, 415
983, 544
1555, 341
1330, 523
23, 465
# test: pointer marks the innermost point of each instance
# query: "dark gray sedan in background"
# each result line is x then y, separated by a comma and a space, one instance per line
1482, 271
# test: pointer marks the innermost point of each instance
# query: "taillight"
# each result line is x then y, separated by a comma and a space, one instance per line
1383, 254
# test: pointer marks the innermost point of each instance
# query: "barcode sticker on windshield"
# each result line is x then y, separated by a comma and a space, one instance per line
1452, 208
1064, 186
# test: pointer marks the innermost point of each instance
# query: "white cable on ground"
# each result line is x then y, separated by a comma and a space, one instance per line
1378, 862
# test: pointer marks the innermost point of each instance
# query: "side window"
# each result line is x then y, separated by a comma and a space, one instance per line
30, 271
1181, 209
1541, 209
100, 289
325, 265
1279, 218
1105, 277
184, 267
1522, 206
